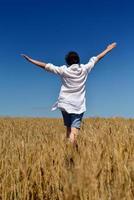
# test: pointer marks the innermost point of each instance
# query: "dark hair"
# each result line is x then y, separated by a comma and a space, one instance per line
72, 58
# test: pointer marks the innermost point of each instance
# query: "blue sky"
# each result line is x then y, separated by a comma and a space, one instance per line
47, 30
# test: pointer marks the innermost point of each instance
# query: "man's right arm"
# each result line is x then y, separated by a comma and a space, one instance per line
108, 49
95, 59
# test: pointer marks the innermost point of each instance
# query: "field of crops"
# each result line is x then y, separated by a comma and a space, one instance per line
37, 162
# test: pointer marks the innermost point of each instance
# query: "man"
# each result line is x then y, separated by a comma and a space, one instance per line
71, 101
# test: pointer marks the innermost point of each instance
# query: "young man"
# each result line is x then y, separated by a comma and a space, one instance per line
71, 101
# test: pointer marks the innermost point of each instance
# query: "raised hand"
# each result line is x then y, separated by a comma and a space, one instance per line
111, 46
25, 56
35, 62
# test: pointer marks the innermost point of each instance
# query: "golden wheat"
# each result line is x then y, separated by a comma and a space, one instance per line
38, 163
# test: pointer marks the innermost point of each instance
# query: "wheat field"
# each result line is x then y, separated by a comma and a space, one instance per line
38, 163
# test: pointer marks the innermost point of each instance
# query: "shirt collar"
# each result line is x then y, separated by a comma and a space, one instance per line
74, 66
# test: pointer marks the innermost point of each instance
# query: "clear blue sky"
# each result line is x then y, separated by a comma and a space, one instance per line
47, 30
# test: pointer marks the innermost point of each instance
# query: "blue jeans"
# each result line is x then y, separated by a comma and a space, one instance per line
72, 119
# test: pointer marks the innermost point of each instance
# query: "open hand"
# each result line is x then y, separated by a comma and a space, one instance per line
111, 46
25, 56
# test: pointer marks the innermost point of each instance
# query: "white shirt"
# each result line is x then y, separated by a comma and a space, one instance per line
72, 94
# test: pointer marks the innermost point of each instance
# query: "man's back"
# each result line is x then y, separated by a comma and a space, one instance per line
72, 93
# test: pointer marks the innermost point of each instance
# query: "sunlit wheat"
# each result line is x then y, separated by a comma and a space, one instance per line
37, 162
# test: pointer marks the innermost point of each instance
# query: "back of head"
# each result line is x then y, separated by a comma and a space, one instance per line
72, 58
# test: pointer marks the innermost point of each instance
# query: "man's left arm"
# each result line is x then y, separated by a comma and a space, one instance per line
47, 66
35, 62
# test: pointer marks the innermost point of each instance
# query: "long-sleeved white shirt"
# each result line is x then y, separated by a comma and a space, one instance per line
72, 94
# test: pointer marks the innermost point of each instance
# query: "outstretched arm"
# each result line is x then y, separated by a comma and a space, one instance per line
47, 66
108, 49
36, 62
95, 59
